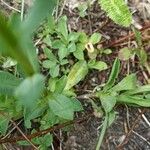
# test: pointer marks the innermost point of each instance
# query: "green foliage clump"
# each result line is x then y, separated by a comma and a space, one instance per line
62, 45
69, 55
117, 11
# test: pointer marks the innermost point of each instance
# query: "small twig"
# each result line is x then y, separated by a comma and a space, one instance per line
144, 139
37, 42
25, 137
10, 7
60, 133
145, 119
144, 74
62, 9
52, 146
11, 130
56, 9
131, 35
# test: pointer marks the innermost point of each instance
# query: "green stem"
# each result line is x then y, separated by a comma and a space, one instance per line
102, 132
22, 10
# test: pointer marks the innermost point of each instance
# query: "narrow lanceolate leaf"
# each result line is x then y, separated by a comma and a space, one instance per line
77, 73
117, 10
140, 89
113, 75
133, 100
8, 83
128, 83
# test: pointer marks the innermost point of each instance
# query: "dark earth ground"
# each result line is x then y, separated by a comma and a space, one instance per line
131, 126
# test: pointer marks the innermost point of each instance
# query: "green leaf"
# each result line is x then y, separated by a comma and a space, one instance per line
72, 47
108, 102
54, 71
107, 51
57, 44
36, 112
9, 63
92, 55
76, 104
47, 41
50, 26
95, 38
62, 52
77, 73
29, 91
117, 10
3, 124
73, 37
49, 120
113, 75
138, 36
44, 141
20, 49
62, 106
69, 93
49, 64
82, 9
50, 55
60, 84
128, 83
111, 118
62, 27
8, 83
133, 100
52, 84
140, 89
125, 54
64, 62
57, 85
142, 55
39, 11
79, 51
99, 65
83, 38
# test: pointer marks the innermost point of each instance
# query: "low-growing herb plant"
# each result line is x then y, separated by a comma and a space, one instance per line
139, 51
62, 45
25, 93
127, 91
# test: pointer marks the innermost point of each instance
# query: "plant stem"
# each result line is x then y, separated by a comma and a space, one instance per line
102, 132
22, 10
